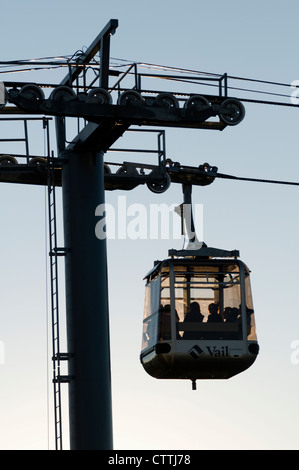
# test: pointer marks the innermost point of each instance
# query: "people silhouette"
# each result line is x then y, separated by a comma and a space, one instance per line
213, 314
195, 316
165, 322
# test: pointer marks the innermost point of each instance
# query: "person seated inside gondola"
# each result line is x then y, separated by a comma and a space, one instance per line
195, 316
213, 314
214, 318
226, 313
232, 315
165, 322
249, 312
233, 320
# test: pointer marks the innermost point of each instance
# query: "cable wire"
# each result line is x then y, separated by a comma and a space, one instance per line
55, 62
258, 180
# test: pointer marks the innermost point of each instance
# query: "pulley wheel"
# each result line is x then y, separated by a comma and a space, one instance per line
32, 92
127, 170
161, 186
232, 112
100, 96
167, 100
62, 93
8, 160
196, 102
107, 169
130, 97
38, 162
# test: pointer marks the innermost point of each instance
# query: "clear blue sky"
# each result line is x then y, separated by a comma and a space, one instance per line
257, 409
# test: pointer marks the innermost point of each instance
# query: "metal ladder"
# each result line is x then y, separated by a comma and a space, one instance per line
57, 356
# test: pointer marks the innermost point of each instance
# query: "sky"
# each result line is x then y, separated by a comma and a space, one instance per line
257, 409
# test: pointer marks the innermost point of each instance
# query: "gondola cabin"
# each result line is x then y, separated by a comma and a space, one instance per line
198, 316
